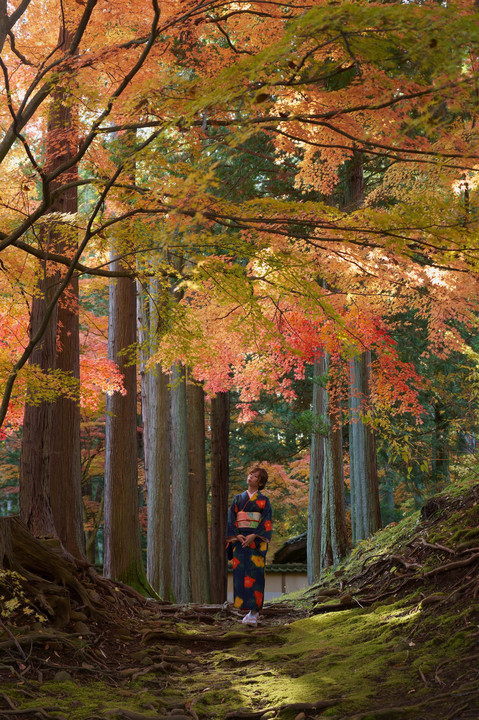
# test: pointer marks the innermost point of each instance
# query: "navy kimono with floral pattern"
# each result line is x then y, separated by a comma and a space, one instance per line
249, 516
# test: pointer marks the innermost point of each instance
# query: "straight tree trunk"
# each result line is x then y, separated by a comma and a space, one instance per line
50, 468
143, 334
440, 447
35, 505
159, 485
65, 462
180, 492
220, 418
316, 471
365, 510
156, 413
122, 532
333, 530
159, 460
200, 565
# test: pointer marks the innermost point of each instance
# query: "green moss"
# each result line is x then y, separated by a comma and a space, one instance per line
79, 701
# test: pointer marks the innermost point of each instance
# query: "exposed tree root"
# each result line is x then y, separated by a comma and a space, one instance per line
294, 707
123, 714
337, 607
41, 712
401, 711
453, 565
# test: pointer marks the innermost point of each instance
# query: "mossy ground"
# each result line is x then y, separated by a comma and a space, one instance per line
407, 648
78, 700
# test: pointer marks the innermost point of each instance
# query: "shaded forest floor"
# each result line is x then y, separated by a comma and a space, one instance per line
392, 633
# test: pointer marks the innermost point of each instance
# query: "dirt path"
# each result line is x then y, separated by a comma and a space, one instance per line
160, 660
392, 635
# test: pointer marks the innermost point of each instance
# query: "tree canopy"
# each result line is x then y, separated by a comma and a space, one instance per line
297, 179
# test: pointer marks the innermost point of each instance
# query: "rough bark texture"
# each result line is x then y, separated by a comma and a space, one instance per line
143, 334
220, 416
200, 566
50, 475
180, 493
365, 511
440, 446
159, 498
159, 461
65, 464
316, 470
122, 533
333, 530
35, 507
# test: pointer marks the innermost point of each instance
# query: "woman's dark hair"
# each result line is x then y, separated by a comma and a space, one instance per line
262, 476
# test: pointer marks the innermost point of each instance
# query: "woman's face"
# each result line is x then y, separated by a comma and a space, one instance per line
253, 481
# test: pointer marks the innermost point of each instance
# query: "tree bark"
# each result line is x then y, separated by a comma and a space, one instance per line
200, 566
35, 505
50, 466
333, 530
365, 510
122, 532
440, 447
220, 417
143, 334
316, 471
159, 485
180, 493
65, 462
157, 447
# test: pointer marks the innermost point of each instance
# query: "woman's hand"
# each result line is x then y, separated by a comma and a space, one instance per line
248, 540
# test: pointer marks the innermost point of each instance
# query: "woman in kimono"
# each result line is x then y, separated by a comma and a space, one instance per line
247, 536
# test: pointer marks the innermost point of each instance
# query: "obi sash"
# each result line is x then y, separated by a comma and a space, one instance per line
248, 519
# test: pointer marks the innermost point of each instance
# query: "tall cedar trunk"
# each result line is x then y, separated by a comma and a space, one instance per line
122, 533
316, 470
159, 485
220, 418
440, 446
333, 530
143, 333
180, 492
365, 511
35, 506
65, 463
158, 557
200, 565
50, 475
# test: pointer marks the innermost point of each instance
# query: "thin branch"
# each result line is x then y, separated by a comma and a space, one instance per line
228, 40
17, 52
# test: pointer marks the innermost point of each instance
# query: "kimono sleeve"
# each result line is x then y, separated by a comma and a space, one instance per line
264, 529
231, 528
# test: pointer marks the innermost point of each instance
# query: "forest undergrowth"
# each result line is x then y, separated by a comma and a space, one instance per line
391, 633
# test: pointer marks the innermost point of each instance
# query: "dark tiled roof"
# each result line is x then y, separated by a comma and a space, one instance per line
287, 568
292, 551
282, 568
